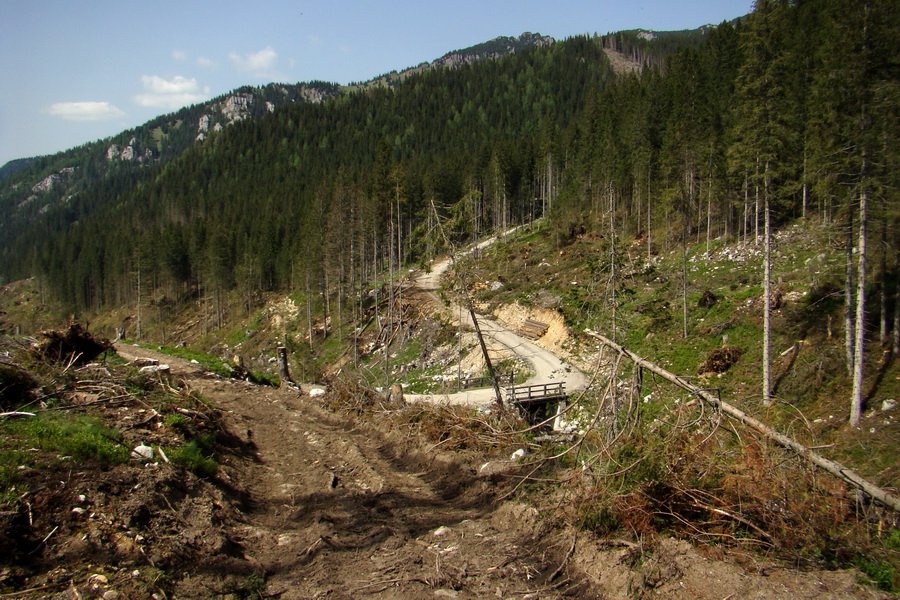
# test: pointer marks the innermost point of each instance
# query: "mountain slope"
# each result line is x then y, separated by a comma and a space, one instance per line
167, 136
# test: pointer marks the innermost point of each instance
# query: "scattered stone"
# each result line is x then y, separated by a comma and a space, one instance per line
142, 451
888, 404
442, 531
517, 454
144, 362
154, 369
315, 392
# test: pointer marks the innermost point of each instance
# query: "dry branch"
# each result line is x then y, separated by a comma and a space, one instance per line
836, 469
8, 415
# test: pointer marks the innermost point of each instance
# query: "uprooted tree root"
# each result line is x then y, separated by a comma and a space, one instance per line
720, 360
75, 345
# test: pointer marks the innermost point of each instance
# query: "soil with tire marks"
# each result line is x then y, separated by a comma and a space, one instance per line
329, 506
309, 503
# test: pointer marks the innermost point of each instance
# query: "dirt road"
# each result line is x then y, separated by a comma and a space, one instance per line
337, 508
322, 505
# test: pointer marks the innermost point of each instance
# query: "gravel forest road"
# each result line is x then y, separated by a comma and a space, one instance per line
546, 366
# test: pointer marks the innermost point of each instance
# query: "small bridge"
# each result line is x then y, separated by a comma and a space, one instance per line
537, 401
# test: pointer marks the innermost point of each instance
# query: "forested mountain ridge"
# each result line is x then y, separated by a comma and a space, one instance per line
31, 186
497, 47
321, 137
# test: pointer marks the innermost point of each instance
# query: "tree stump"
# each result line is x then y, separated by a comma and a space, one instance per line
283, 373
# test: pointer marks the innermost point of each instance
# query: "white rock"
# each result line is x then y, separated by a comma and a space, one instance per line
142, 451
888, 404
517, 454
441, 531
313, 393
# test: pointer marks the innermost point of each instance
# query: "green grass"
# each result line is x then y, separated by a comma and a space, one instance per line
881, 573
10, 461
207, 361
194, 456
78, 437
58, 437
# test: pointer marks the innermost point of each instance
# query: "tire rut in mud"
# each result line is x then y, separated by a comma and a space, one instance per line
340, 508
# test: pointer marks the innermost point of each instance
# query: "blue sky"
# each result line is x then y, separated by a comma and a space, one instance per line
73, 71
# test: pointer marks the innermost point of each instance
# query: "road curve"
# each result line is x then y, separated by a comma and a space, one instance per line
548, 368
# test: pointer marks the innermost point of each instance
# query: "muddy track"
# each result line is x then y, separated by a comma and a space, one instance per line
332, 507
338, 508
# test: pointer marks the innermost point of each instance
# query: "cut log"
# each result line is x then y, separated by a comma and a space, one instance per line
533, 329
838, 470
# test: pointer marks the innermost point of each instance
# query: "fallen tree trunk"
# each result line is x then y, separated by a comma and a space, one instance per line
836, 469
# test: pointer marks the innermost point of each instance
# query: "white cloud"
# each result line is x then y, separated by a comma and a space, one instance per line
170, 93
85, 111
258, 64
205, 62
179, 55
